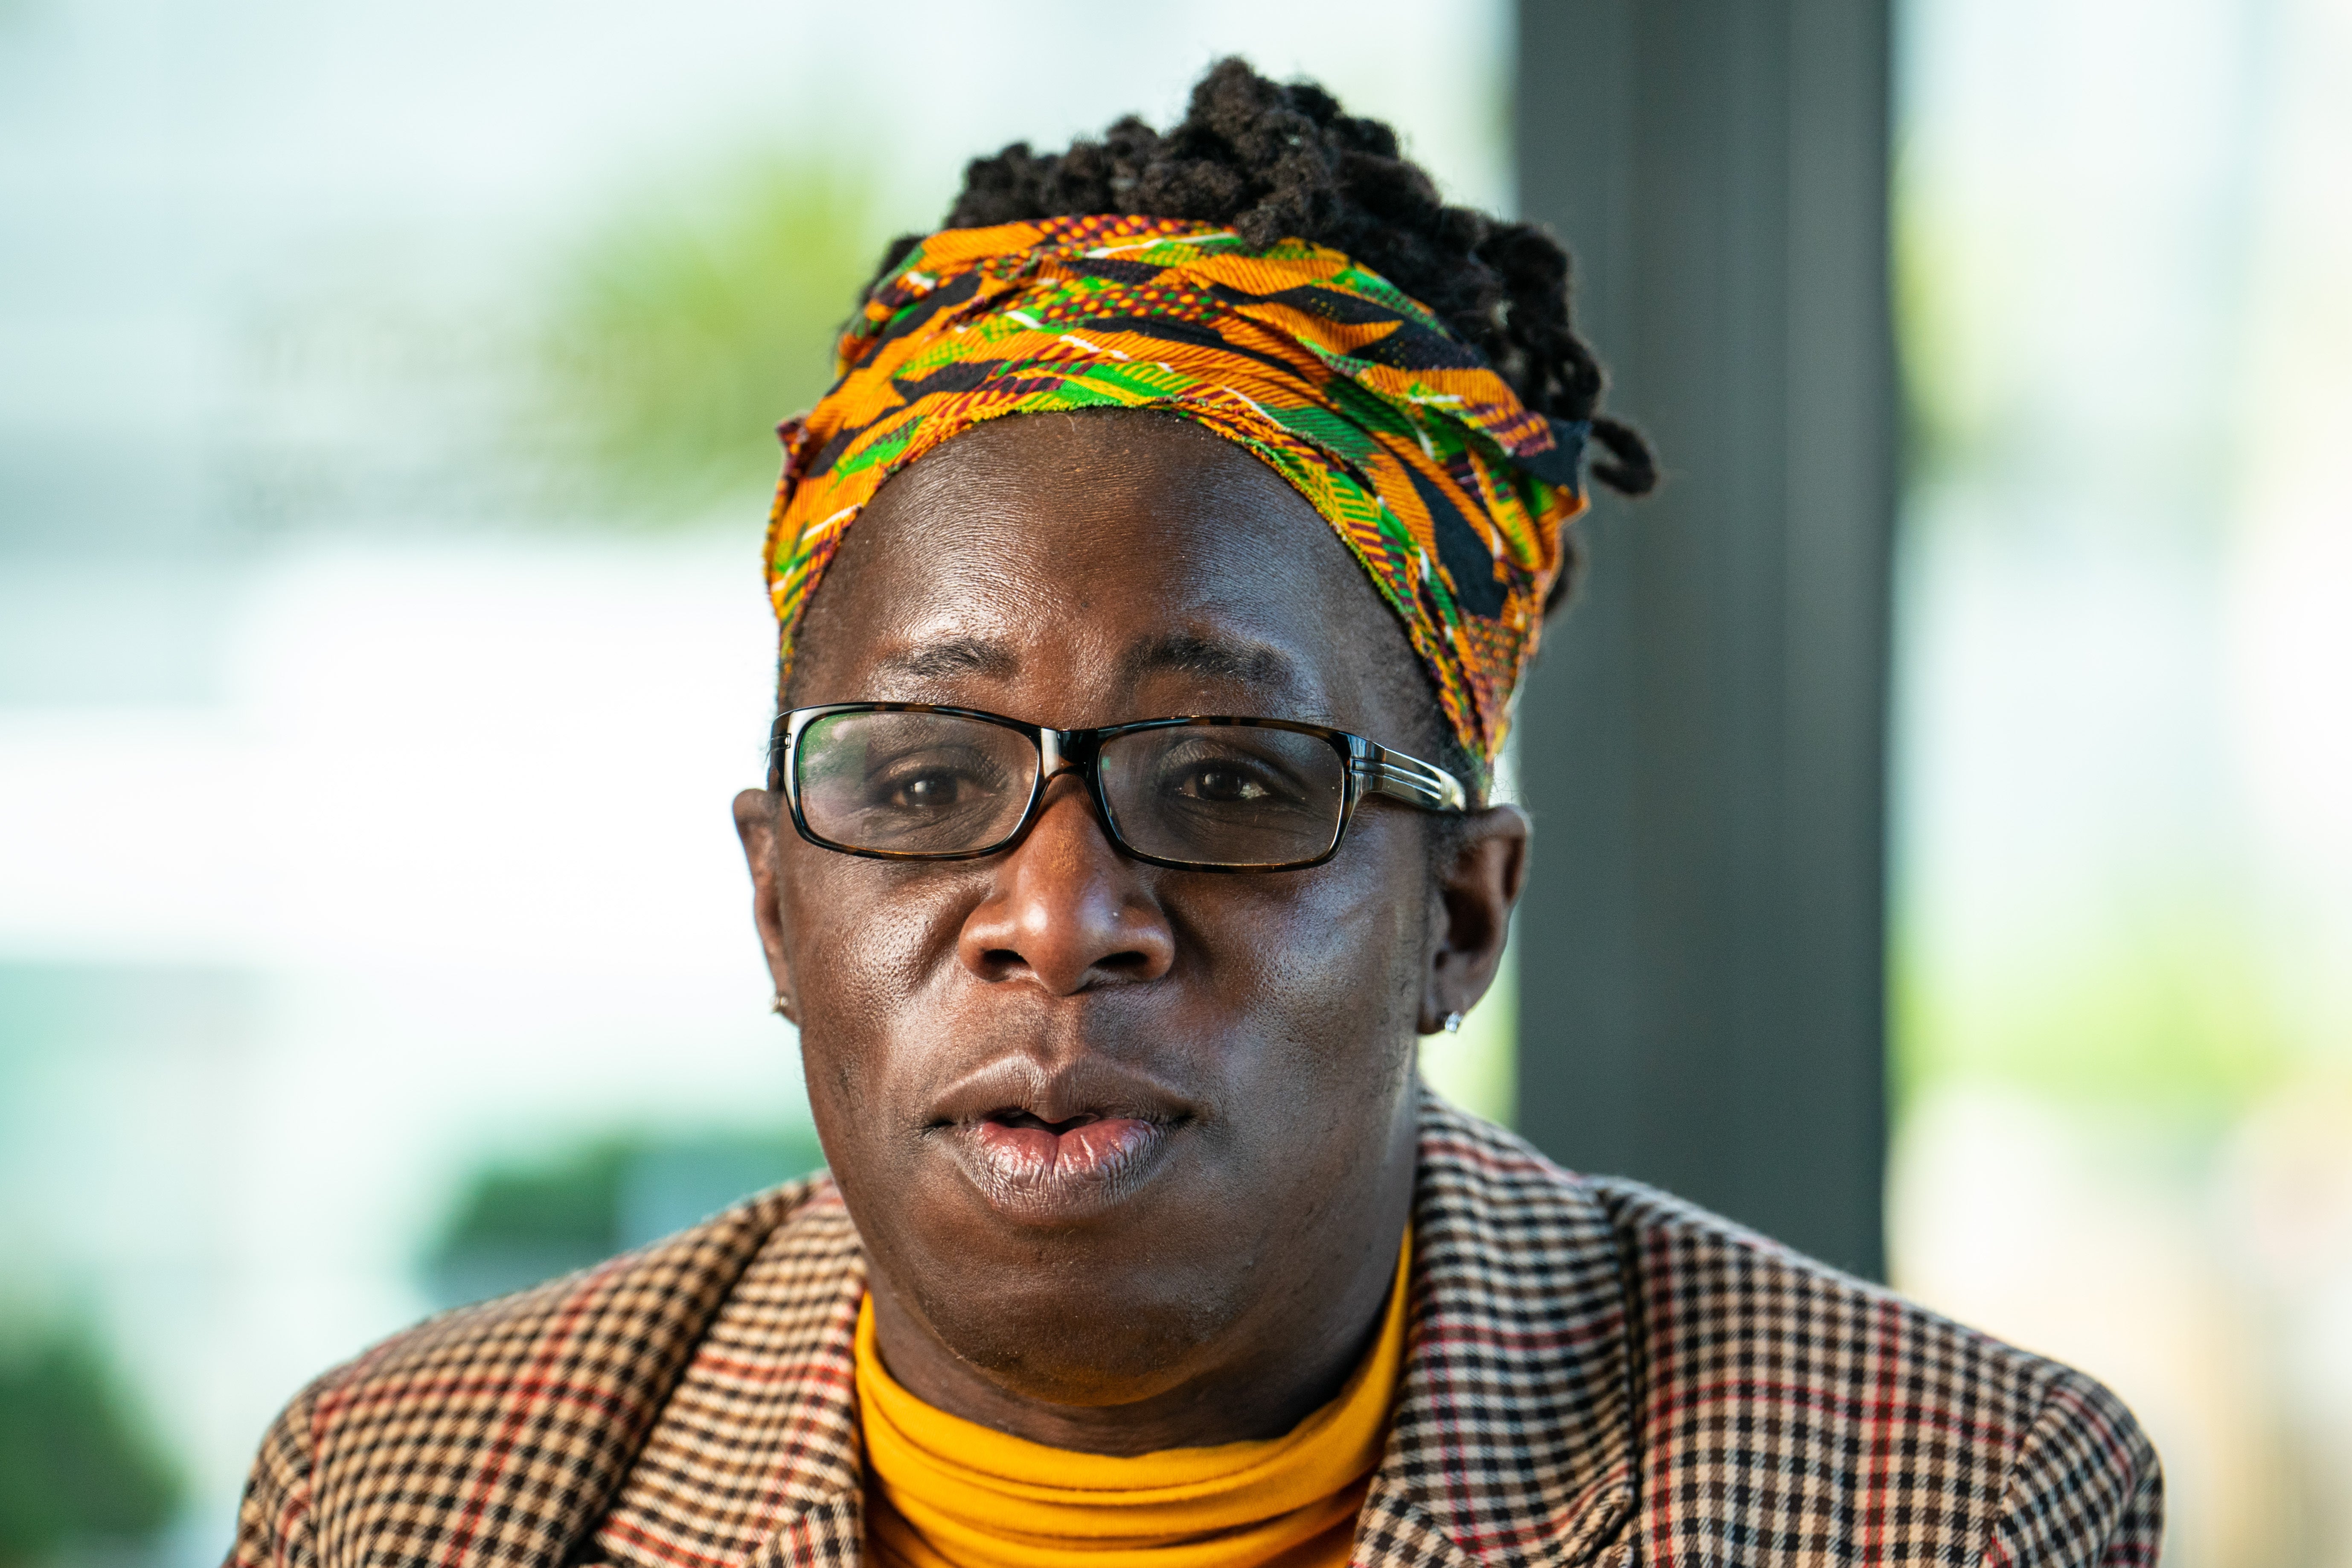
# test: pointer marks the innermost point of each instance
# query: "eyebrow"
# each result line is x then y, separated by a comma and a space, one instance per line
953, 657
1201, 656
1215, 659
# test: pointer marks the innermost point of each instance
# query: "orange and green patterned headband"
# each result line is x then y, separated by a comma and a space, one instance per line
1449, 490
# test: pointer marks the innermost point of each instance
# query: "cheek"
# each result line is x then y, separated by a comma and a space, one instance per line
868, 944
1322, 968
1337, 942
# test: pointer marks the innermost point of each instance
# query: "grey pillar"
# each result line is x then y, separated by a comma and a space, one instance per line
1701, 950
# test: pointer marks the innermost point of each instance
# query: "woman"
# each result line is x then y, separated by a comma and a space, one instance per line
1151, 589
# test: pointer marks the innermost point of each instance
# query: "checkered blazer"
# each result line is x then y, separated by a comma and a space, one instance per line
1597, 1373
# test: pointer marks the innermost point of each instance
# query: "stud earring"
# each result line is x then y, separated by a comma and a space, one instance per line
1453, 1022
783, 1005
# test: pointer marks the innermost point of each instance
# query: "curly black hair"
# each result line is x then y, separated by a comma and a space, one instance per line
1281, 161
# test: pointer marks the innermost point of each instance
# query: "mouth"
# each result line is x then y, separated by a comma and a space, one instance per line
1038, 1157
1027, 1148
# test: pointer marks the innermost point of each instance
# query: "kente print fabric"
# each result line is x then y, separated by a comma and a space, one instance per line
1449, 490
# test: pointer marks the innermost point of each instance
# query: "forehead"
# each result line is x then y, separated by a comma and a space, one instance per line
1091, 562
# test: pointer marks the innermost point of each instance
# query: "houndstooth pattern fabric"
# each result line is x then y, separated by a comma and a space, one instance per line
1597, 1373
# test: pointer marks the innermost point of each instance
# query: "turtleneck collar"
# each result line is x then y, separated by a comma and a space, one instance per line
944, 1492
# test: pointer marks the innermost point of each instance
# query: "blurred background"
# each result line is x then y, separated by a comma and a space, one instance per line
385, 397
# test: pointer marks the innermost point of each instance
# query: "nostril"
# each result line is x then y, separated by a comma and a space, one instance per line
1004, 961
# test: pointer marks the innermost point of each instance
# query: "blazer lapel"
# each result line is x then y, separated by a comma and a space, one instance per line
756, 1456
1513, 1441
494, 1436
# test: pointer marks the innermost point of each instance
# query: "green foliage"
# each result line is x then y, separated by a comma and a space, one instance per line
2169, 1009
570, 1200
517, 1223
680, 333
77, 1463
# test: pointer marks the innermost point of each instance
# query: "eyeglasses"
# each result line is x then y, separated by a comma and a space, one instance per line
914, 781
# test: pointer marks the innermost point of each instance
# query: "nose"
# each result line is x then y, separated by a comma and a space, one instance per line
1067, 911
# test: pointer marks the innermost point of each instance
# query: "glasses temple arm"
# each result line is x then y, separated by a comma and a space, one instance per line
1410, 779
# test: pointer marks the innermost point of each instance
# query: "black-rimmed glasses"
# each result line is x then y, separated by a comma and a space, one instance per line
915, 781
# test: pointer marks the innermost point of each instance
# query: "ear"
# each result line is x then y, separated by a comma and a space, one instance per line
757, 812
1476, 888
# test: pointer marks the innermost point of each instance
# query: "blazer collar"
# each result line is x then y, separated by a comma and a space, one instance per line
756, 1455
1512, 1442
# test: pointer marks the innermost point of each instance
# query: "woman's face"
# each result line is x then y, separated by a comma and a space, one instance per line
1113, 1133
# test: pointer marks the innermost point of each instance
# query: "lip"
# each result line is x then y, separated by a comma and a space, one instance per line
1055, 1147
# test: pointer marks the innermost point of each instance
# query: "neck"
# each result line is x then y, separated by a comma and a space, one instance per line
1273, 1365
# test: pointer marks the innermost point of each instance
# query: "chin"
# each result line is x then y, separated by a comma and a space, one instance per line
1069, 1332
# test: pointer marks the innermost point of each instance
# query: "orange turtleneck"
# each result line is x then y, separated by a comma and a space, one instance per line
944, 1492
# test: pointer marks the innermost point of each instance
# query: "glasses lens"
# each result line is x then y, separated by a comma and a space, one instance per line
1226, 795
913, 783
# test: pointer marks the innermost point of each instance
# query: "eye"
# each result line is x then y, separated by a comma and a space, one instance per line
928, 789
1222, 783
931, 780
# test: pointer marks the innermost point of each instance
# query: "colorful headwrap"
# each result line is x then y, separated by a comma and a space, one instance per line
1449, 490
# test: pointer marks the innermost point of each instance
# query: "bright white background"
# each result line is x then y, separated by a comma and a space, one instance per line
2124, 894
